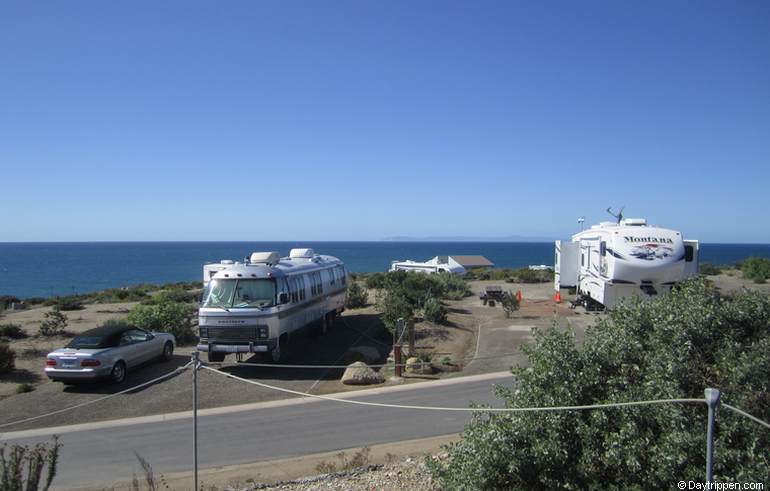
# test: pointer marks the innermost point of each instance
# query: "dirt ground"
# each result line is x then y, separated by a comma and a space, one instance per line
477, 338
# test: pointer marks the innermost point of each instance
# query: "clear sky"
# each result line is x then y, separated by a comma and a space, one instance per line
358, 120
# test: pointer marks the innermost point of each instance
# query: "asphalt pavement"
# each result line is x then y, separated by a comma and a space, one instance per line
103, 454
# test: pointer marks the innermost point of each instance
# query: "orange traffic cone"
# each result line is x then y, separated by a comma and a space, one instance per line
518, 295
557, 297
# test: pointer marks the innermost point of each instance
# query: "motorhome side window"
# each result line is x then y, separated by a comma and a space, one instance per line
331, 276
320, 286
301, 283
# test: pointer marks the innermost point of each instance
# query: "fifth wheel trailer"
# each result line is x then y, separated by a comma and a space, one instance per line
614, 261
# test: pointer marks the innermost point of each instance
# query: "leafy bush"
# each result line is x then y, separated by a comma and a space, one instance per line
53, 324
118, 295
452, 287
669, 347
7, 358
173, 295
68, 303
510, 304
526, 275
172, 317
434, 311
28, 468
12, 331
357, 296
757, 269
23, 388
393, 306
376, 280
7, 300
708, 269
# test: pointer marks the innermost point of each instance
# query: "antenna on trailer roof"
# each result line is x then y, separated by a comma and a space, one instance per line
581, 220
619, 215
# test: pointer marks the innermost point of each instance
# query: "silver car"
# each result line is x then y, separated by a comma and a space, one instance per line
108, 352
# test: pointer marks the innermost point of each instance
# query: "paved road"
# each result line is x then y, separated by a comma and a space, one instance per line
103, 456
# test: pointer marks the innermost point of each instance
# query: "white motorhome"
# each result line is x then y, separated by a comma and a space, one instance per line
619, 260
256, 306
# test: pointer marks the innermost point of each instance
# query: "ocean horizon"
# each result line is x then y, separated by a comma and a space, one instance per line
44, 269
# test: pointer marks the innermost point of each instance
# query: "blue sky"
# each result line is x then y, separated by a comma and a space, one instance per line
358, 120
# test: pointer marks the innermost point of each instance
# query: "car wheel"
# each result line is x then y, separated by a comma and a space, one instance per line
118, 373
216, 357
168, 351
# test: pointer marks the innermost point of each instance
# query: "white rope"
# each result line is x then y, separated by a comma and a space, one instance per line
461, 409
87, 403
746, 415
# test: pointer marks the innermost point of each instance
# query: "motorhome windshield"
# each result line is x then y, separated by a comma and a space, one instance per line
234, 294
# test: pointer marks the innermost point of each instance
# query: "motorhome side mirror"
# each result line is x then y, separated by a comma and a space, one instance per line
283, 297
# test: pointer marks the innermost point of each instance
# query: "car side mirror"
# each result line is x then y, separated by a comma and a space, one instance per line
283, 297
150, 336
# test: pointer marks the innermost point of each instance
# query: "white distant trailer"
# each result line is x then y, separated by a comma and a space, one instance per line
613, 261
439, 264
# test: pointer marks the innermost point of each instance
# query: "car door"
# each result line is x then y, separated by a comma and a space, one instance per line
127, 348
147, 346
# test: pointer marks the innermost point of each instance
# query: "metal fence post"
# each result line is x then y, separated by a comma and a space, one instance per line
712, 399
195, 365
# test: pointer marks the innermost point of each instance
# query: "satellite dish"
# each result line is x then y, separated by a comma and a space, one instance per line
619, 215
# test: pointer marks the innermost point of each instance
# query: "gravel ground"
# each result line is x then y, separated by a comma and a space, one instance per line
410, 474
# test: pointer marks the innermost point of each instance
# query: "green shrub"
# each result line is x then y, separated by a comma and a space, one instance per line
708, 269
668, 347
53, 324
452, 287
118, 295
393, 306
376, 280
510, 304
24, 388
7, 300
357, 296
67, 304
12, 331
29, 468
434, 311
172, 317
7, 359
526, 275
172, 295
756, 269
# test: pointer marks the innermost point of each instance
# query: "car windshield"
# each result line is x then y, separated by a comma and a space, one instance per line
87, 342
234, 294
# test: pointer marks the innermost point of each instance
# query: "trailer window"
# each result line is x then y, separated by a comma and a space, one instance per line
689, 253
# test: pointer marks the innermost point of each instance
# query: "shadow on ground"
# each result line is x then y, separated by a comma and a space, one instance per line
361, 337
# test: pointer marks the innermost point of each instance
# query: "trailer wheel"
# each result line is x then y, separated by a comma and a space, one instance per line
215, 357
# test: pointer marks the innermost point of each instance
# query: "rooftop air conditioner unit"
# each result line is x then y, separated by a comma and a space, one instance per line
265, 258
301, 253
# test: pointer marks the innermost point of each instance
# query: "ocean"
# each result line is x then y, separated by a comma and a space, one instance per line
48, 269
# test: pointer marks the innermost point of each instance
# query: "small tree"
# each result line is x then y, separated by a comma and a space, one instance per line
28, 468
357, 296
434, 311
53, 324
7, 359
393, 306
510, 304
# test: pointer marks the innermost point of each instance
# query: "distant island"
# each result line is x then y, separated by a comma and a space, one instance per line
460, 238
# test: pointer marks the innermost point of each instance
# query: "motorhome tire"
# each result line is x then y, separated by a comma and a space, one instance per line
281, 350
